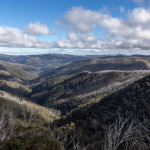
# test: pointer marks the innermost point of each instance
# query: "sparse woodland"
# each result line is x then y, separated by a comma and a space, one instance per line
86, 106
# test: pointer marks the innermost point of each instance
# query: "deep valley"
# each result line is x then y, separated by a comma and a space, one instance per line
93, 103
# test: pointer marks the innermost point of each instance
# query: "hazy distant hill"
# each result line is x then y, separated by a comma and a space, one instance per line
94, 65
13, 79
40, 63
16, 71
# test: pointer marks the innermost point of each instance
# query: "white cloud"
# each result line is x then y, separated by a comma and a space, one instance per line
121, 34
132, 33
81, 37
37, 29
140, 17
77, 41
80, 19
12, 37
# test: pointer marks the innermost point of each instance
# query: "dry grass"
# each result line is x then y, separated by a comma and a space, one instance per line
43, 112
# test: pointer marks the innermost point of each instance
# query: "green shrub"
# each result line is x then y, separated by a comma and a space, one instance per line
32, 138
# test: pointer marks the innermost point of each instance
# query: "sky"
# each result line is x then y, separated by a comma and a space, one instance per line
77, 27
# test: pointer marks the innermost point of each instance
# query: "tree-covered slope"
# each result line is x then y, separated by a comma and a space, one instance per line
69, 92
122, 114
12, 71
14, 80
22, 125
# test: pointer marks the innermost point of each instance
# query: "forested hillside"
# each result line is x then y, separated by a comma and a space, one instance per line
66, 93
94, 104
74, 74
120, 120
14, 80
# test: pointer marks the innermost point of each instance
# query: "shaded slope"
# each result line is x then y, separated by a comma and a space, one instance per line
69, 92
132, 101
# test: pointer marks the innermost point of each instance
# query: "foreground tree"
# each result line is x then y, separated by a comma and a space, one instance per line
127, 134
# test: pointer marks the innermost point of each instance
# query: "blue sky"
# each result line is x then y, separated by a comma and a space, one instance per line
77, 27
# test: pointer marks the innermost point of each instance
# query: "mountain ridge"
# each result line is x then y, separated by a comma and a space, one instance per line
94, 65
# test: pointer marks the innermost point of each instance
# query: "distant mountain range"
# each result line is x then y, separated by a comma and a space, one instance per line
40, 63
95, 65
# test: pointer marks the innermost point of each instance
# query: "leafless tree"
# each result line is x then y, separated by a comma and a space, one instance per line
144, 127
6, 124
29, 114
124, 132
69, 139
